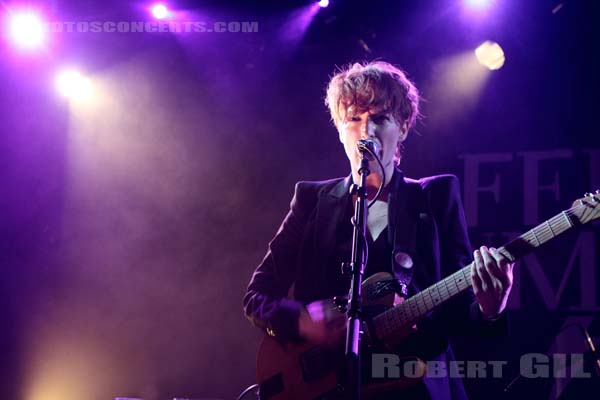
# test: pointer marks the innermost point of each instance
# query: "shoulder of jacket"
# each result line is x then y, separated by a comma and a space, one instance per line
317, 186
445, 182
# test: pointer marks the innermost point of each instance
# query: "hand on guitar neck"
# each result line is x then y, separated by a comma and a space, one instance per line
492, 280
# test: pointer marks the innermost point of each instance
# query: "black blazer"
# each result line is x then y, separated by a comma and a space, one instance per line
426, 220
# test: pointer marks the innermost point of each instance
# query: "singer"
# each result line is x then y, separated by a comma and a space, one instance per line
416, 232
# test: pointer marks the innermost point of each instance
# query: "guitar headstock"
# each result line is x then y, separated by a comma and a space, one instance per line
588, 207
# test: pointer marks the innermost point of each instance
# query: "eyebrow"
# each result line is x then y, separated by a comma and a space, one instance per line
354, 111
382, 111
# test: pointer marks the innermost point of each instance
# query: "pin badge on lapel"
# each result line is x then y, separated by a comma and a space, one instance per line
403, 259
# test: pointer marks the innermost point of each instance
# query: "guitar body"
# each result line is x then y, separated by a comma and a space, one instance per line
307, 371
296, 371
290, 371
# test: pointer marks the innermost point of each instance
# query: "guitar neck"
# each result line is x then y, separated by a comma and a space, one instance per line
392, 321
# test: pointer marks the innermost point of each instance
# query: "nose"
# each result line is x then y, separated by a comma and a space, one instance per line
367, 128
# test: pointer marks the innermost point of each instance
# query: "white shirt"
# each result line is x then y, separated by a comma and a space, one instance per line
377, 218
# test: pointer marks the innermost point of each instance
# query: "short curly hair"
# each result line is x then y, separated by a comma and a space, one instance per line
373, 85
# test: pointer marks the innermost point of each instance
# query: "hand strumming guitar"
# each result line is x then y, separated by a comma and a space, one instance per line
322, 323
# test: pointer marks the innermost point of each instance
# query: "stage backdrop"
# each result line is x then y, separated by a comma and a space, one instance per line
130, 225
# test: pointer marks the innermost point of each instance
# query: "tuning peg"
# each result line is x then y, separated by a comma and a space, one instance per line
591, 197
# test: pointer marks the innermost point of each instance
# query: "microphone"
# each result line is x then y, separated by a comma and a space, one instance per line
367, 146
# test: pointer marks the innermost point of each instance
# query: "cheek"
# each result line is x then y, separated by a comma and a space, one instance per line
343, 134
393, 136
392, 142
349, 137
350, 149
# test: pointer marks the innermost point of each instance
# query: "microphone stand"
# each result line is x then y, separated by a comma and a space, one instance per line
357, 266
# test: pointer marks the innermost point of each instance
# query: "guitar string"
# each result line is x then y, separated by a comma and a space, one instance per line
435, 290
544, 231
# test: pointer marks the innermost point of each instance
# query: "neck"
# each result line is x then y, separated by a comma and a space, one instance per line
374, 182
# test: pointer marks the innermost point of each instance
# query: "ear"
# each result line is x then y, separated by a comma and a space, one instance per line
403, 132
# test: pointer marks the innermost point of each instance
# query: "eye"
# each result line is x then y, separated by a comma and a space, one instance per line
380, 118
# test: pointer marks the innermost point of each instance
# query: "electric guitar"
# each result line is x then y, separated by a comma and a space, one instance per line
307, 371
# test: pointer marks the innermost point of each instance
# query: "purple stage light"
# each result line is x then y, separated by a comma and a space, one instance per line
160, 11
27, 30
478, 4
323, 3
297, 24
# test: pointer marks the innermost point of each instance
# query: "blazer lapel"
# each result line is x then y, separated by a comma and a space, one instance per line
402, 225
331, 208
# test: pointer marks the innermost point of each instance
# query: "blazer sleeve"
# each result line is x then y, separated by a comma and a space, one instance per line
266, 304
462, 315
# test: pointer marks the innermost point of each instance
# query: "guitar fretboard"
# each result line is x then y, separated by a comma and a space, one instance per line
416, 307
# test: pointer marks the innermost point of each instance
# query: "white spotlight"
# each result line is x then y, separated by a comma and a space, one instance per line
73, 85
490, 55
160, 11
27, 30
